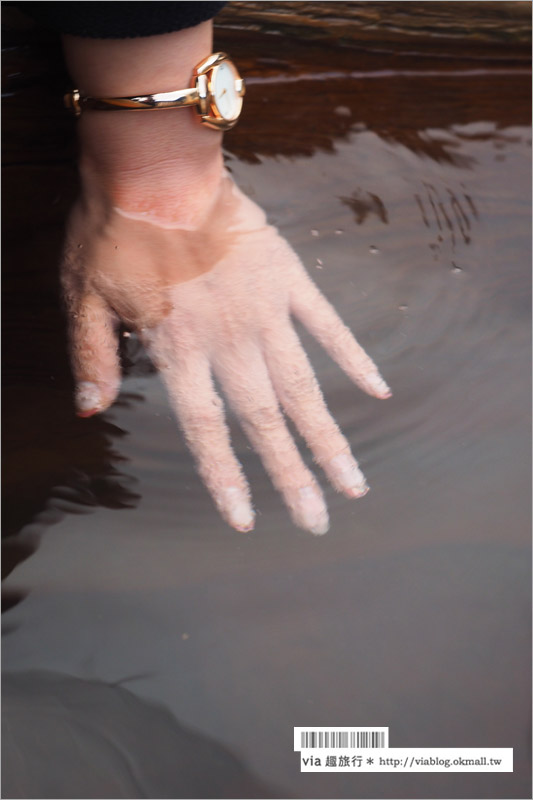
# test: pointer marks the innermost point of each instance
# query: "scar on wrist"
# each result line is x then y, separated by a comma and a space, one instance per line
153, 219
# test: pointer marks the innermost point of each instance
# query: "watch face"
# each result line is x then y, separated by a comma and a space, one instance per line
228, 101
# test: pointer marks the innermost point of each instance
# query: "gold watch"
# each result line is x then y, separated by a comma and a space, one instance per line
216, 92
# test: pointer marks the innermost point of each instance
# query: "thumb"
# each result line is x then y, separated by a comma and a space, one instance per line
94, 356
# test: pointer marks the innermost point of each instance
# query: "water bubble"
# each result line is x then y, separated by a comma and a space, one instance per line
373, 249
339, 231
455, 268
126, 334
314, 232
319, 263
403, 308
343, 111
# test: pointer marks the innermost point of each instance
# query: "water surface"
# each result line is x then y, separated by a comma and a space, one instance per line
183, 653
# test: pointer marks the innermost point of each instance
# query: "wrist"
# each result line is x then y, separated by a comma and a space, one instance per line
159, 162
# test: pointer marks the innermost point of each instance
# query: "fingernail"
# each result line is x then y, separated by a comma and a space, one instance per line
311, 511
349, 475
88, 398
234, 502
378, 386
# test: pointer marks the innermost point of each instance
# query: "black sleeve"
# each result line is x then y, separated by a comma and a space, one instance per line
122, 20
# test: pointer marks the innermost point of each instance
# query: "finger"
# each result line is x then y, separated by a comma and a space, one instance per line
321, 319
200, 413
299, 393
94, 355
245, 379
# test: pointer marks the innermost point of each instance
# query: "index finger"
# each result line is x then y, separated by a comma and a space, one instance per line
310, 306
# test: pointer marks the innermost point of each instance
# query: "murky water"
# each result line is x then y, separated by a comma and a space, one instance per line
149, 650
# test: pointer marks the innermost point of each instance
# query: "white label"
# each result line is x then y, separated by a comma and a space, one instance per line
367, 750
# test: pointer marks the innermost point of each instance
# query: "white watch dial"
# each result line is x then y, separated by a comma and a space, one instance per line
225, 95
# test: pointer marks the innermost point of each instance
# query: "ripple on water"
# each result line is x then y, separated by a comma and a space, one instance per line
423, 236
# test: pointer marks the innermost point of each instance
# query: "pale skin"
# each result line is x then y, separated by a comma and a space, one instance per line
162, 240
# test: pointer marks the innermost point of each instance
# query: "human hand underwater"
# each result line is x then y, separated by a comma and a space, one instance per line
163, 241
215, 299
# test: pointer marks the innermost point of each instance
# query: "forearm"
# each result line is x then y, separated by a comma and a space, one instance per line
145, 162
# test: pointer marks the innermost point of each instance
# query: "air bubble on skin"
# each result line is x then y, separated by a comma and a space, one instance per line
373, 249
403, 308
126, 334
319, 264
455, 269
314, 232
338, 232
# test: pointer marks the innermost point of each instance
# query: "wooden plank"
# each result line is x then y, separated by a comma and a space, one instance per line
391, 22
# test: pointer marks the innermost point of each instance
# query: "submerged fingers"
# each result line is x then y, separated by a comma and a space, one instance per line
94, 354
320, 318
301, 397
247, 384
200, 413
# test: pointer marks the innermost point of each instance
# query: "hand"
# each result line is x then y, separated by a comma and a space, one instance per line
164, 241
214, 298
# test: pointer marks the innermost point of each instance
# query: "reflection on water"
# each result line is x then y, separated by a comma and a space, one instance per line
364, 203
407, 197
88, 739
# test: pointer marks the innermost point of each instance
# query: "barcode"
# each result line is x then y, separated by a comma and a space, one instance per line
335, 739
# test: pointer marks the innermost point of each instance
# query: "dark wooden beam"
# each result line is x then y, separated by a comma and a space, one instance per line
420, 23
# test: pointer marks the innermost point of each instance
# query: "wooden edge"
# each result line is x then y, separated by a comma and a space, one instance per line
422, 21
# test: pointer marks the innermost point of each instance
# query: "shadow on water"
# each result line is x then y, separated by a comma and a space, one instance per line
402, 182
88, 739
53, 462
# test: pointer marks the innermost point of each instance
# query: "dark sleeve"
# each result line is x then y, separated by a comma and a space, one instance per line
122, 20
